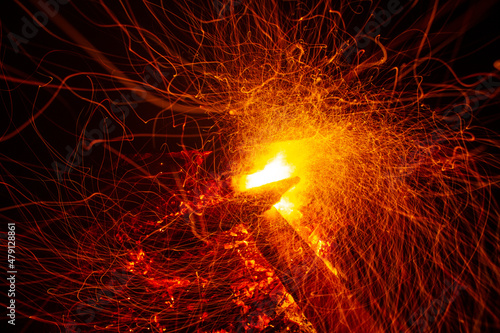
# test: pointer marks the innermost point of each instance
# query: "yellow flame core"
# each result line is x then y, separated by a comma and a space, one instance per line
274, 171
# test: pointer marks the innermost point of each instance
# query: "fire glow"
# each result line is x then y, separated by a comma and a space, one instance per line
276, 169
395, 197
282, 160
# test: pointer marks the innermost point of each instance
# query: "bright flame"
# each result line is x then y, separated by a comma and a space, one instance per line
274, 171
284, 205
282, 160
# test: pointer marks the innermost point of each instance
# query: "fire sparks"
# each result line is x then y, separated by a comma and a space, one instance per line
190, 106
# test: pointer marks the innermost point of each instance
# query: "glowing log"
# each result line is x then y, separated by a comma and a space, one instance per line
311, 281
243, 207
